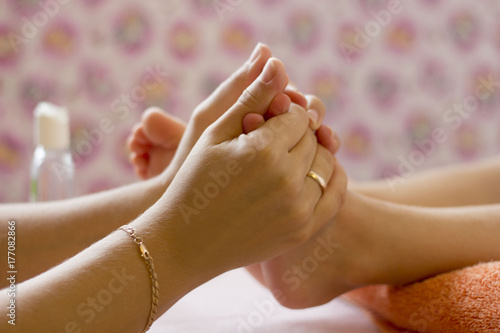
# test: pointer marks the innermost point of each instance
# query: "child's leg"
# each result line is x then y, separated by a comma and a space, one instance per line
460, 185
154, 141
376, 242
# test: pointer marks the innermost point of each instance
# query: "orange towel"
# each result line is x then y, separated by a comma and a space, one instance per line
462, 301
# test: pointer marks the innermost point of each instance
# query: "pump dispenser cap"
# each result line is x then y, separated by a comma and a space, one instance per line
51, 126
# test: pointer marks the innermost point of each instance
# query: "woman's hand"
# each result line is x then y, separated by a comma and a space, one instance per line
155, 143
221, 100
160, 141
240, 199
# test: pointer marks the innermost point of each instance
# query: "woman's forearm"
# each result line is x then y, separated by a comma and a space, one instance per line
105, 288
49, 233
462, 185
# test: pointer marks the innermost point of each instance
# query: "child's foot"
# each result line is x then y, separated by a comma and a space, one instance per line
154, 141
316, 109
339, 258
153, 146
326, 137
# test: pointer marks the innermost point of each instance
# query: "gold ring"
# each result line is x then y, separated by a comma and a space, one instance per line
318, 179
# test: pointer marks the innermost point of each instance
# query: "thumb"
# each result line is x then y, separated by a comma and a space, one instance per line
255, 99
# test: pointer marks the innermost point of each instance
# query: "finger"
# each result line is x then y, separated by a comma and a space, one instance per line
221, 100
280, 104
328, 139
252, 121
322, 166
255, 99
316, 110
331, 200
303, 154
296, 97
284, 131
228, 92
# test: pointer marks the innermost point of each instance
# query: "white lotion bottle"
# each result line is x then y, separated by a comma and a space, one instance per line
52, 168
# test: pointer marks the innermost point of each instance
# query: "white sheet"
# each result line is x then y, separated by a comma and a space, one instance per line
235, 303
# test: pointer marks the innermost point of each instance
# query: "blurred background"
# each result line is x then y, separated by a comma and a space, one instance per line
389, 72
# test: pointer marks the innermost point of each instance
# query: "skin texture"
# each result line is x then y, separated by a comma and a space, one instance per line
188, 248
373, 241
96, 216
385, 234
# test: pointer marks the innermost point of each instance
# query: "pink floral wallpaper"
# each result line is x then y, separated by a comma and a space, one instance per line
408, 84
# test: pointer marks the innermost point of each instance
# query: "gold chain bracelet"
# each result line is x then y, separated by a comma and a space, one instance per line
155, 290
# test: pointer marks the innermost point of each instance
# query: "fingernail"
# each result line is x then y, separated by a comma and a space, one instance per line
314, 115
269, 72
255, 53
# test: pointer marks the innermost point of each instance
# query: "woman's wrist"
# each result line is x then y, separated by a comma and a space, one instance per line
165, 178
158, 185
174, 278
